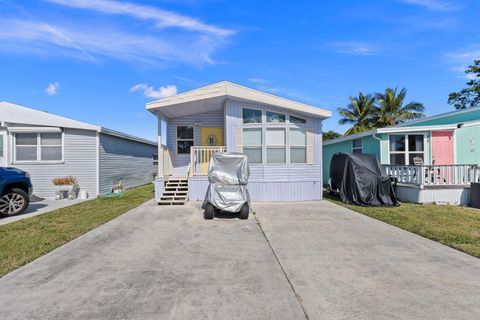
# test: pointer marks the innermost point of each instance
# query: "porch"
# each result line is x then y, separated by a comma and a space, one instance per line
442, 184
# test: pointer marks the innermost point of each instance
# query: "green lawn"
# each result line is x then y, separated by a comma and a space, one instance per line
453, 226
28, 239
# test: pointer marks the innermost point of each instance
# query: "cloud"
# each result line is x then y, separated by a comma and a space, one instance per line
435, 5
88, 42
162, 18
150, 92
462, 59
52, 89
257, 80
355, 48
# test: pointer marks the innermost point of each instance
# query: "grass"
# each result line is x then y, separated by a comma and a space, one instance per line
456, 227
25, 240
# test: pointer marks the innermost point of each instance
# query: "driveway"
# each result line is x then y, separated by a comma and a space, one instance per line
40, 206
168, 263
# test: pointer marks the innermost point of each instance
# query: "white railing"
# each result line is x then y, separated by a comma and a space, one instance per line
165, 162
200, 158
435, 175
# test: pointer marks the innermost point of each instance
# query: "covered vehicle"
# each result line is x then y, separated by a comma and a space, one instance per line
360, 180
227, 190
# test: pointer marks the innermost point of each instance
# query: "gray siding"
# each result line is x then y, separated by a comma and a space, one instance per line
80, 154
214, 119
270, 182
126, 160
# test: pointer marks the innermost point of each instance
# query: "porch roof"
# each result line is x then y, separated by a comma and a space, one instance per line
212, 97
395, 129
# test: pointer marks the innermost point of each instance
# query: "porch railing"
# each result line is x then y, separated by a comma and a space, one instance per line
435, 175
165, 162
200, 158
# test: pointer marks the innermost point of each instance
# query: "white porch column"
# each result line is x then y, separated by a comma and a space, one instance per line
160, 149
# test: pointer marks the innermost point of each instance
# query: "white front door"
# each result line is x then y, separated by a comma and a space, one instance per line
3, 150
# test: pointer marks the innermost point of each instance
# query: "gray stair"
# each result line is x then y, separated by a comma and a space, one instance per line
175, 191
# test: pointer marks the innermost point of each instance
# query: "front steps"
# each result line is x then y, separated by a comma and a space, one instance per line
175, 191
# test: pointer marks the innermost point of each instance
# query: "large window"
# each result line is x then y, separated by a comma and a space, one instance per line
357, 146
405, 148
275, 142
185, 139
297, 120
252, 116
252, 144
38, 147
298, 145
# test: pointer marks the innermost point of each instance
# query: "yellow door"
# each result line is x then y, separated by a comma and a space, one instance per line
210, 137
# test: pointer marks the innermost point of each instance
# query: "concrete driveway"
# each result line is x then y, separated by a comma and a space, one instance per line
168, 263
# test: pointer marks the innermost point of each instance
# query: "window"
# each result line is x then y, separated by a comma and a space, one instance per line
357, 146
404, 148
297, 120
184, 139
38, 147
252, 116
298, 145
274, 117
275, 142
252, 144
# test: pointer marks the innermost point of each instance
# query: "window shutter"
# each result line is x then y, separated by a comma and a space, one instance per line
310, 151
239, 140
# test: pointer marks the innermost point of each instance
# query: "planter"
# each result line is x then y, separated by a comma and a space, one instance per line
66, 192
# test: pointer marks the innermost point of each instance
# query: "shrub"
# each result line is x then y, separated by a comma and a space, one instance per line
65, 181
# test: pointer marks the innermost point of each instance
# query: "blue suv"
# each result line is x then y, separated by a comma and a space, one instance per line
15, 191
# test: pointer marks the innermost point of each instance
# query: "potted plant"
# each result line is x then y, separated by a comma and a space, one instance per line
67, 187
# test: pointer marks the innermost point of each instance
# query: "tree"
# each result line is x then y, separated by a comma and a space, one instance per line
358, 113
468, 97
390, 110
329, 135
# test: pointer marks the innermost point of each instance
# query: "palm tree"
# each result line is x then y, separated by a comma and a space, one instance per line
390, 110
358, 113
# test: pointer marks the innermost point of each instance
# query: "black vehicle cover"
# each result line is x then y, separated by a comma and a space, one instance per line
361, 181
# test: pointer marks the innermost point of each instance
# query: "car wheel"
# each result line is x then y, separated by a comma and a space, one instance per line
244, 211
14, 201
209, 212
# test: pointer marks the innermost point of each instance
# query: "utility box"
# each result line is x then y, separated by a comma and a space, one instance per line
475, 195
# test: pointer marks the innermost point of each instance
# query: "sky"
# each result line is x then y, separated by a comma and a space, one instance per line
100, 61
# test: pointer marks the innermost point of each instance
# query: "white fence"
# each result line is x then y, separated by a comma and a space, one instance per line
200, 158
432, 175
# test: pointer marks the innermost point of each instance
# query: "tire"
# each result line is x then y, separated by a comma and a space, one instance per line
209, 212
14, 201
244, 212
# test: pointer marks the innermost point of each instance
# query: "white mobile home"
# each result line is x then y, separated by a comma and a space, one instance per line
49, 146
282, 139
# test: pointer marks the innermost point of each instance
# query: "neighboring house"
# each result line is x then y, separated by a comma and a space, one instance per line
49, 146
435, 158
282, 138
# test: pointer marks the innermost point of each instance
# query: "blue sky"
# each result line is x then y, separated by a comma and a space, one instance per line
100, 61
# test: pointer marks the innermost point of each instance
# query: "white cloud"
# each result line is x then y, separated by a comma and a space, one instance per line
89, 42
150, 92
355, 48
436, 5
162, 18
52, 89
257, 80
461, 60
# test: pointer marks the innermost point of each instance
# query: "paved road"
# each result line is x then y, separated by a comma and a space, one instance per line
168, 263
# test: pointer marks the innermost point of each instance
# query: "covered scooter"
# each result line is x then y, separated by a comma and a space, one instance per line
361, 181
228, 177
